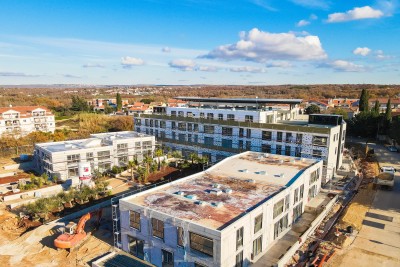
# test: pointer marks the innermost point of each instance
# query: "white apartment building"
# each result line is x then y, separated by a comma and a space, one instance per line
229, 215
220, 127
22, 120
103, 151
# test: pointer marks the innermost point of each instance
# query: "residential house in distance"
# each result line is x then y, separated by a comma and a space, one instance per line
221, 127
103, 151
22, 120
323, 105
229, 215
140, 108
394, 102
99, 103
342, 102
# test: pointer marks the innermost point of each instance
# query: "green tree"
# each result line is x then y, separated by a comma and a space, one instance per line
376, 107
146, 100
387, 119
312, 109
107, 108
119, 102
340, 111
131, 166
158, 153
79, 104
364, 100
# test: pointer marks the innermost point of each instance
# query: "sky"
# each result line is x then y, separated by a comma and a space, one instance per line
244, 42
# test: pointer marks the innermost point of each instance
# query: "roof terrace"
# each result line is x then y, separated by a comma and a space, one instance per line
221, 194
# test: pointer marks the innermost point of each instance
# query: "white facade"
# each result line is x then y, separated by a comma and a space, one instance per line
22, 120
102, 151
219, 132
220, 227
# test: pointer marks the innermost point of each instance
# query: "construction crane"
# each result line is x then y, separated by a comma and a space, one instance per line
75, 233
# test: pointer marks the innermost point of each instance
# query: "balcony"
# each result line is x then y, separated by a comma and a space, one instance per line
272, 126
207, 146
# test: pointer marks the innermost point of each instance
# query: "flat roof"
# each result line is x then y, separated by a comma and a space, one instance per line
96, 140
241, 100
226, 190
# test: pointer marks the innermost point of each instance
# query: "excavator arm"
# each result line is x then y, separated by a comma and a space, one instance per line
81, 224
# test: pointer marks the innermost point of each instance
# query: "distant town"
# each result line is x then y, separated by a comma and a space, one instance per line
199, 176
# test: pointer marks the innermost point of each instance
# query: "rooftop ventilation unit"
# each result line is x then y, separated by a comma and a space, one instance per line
192, 197
244, 170
228, 190
251, 181
216, 192
180, 193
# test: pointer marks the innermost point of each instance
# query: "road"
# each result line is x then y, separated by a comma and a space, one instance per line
378, 242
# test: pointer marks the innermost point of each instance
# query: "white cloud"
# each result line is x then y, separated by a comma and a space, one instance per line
72, 76
346, 66
356, 13
92, 65
264, 4
16, 74
379, 54
302, 23
362, 51
261, 46
166, 49
247, 69
128, 62
207, 68
183, 64
279, 64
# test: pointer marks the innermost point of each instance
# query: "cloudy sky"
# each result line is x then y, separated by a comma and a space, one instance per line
199, 41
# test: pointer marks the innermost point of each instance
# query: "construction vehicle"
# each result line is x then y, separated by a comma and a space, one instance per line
75, 234
385, 178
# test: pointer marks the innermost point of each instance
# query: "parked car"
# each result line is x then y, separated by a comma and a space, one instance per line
392, 148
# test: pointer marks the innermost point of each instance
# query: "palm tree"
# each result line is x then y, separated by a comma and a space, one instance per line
132, 166
193, 157
148, 160
158, 153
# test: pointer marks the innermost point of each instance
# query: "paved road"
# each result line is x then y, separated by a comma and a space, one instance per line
378, 242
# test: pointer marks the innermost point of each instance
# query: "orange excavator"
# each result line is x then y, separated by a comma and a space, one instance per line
75, 233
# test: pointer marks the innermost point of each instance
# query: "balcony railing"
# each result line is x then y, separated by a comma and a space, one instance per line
272, 126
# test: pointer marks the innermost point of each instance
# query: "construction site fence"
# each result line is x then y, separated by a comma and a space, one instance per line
314, 225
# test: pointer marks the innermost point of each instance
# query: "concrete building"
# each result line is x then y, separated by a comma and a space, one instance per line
229, 215
103, 151
219, 127
22, 120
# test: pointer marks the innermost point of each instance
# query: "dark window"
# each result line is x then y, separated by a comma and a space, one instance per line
173, 113
239, 238
287, 150
230, 117
201, 115
209, 129
279, 136
181, 114
280, 226
182, 126
248, 118
301, 191
209, 141
167, 258
134, 219
320, 141
180, 236
210, 116
195, 127
240, 144
227, 131
226, 143
182, 137
289, 137
299, 138
190, 127
158, 228
202, 244
258, 223
266, 148
297, 152
136, 247
257, 246
266, 135
248, 145
173, 125
241, 132
248, 133
278, 149
220, 117
239, 259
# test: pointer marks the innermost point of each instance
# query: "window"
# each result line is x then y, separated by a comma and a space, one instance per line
287, 202
180, 236
266, 135
209, 129
195, 128
202, 244
73, 158
240, 144
226, 143
195, 138
230, 117
296, 195
317, 153
151, 123
134, 219
72, 172
138, 145
257, 246
173, 135
189, 127
248, 145
167, 258
157, 228
136, 247
173, 113
297, 152
173, 125
248, 133
220, 117
189, 138
241, 132
280, 226
279, 136
266, 148
209, 141
227, 131
289, 137
279, 149
163, 124
201, 115
239, 259
248, 118
146, 122
278, 208
182, 137
297, 211
181, 114
301, 191
314, 176
182, 126
320, 141
258, 223
287, 150
239, 238
189, 114
89, 156
210, 116
103, 155
299, 138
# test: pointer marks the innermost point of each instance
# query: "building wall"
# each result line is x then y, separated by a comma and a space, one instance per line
224, 241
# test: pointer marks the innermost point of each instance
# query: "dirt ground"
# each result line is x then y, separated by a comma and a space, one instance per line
35, 248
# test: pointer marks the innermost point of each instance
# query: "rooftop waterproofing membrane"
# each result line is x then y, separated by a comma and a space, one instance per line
218, 196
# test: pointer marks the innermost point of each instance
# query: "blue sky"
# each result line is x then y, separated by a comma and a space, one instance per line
199, 41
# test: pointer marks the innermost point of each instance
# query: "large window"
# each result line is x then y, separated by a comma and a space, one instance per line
278, 149
182, 126
241, 132
266, 135
248, 133
157, 228
209, 141
227, 131
317, 153
173, 125
209, 129
103, 155
239, 238
136, 247
258, 223
257, 246
266, 148
314, 176
320, 141
296, 196
248, 118
279, 136
230, 117
202, 244
163, 124
239, 259
73, 158
297, 211
167, 258
301, 191
210, 116
134, 219
280, 226
180, 236
73, 172
220, 117
278, 208
299, 138
289, 137
287, 150
226, 143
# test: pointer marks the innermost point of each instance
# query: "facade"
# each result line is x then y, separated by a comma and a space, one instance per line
140, 108
217, 128
103, 151
229, 215
100, 103
394, 102
22, 120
